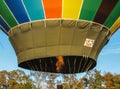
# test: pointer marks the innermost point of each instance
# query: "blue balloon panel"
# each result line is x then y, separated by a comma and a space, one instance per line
35, 9
18, 10
4, 24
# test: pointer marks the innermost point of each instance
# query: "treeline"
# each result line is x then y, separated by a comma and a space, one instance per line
17, 79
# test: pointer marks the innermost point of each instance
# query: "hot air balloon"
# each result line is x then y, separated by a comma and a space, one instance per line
62, 36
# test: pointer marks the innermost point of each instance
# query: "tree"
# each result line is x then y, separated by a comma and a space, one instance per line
51, 80
72, 82
93, 80
112, 81
15, 79
3, 79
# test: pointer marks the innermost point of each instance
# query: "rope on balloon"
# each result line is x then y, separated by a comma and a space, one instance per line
80, 64
74, 65
69, 65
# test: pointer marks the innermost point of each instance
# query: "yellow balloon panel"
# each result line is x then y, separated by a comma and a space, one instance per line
115, 26
71, 9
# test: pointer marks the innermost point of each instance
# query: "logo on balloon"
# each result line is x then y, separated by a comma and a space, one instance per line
89, 42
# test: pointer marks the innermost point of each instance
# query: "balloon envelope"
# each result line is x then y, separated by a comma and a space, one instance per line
41, 30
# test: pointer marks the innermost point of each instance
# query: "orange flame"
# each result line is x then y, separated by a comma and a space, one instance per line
59, 63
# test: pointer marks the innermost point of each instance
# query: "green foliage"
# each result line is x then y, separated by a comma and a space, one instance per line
72, 82
92, 80
95, 80
17, 79
112, 81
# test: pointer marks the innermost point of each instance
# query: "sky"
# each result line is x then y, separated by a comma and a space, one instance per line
108, 59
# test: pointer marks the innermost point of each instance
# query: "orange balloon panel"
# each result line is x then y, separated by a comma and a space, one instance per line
53, 8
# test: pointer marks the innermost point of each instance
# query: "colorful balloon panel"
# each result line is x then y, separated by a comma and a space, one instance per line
115, 26
71, 9
89, 9
4, 24
115, 13
105, 12
34, 9
16, 6
6, 14
52, 8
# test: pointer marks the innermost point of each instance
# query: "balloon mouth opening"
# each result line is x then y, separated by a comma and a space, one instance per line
72, 64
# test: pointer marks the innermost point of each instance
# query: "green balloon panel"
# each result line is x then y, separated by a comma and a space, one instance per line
14, 12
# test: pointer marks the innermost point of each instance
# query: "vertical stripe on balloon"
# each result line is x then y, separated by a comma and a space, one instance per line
71, 9
34, 9
52, 8
4, 24
6, 14
104, 10
18, 10
115, 26
113, 15
89, 9
1, 28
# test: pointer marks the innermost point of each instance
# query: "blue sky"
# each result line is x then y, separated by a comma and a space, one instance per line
108, 59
